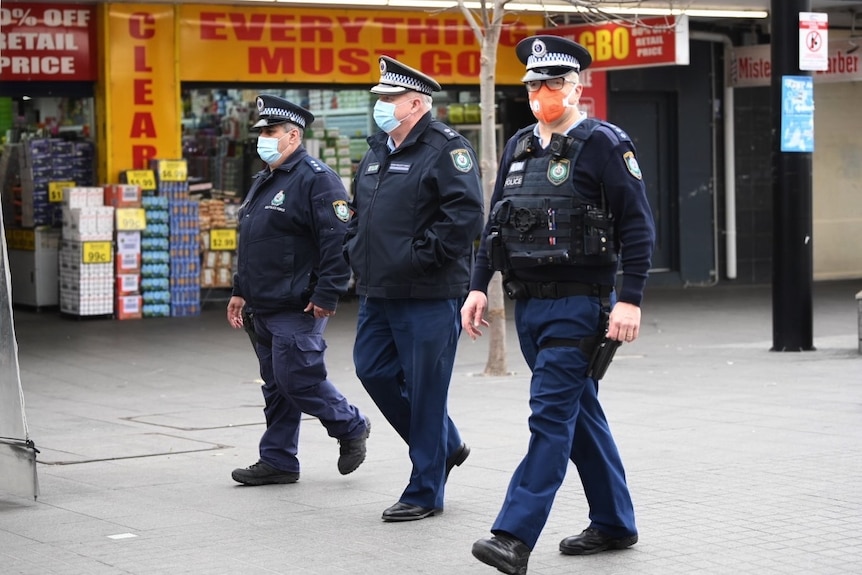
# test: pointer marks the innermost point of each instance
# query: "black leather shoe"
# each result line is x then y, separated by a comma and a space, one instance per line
592, 540
504, 552
352, 451
457, 458
262, 474
407, 512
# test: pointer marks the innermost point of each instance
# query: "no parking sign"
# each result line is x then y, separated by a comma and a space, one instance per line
813, 41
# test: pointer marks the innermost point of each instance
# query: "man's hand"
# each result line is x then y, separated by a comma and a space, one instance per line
624, 323
473, 312
234, 311
318, 312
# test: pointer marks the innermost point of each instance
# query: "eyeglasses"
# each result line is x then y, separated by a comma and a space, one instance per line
551, 83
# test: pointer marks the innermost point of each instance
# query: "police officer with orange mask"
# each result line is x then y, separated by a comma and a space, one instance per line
569, 209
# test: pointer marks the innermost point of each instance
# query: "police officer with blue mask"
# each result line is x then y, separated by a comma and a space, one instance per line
418, 202
569, 208
291, 273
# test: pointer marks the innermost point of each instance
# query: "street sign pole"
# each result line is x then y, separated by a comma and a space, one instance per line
792, 267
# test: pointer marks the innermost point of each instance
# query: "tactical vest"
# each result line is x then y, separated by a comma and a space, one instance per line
541, 218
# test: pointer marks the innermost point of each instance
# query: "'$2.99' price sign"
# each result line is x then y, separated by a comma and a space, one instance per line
223, 239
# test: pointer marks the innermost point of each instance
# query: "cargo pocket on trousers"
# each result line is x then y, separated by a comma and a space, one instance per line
306, 361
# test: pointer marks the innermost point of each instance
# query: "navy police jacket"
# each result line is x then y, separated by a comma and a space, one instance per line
607, 163
291, 228
418, 211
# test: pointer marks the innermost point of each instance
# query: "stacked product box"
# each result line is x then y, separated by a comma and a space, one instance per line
185, 282
217, 265
86, 253
335, 152
126, 198
155, 258
51, 160
184, 255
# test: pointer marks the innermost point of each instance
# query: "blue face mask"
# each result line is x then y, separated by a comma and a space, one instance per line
384, 116
267, 149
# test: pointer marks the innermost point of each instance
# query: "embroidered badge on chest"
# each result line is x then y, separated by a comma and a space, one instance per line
278, 199
462, 160
632, 165
558, 171
342, 211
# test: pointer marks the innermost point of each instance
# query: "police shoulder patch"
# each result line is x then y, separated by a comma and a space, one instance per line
632, 165
341, 209
462, 160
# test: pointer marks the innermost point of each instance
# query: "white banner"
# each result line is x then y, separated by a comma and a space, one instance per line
752, 65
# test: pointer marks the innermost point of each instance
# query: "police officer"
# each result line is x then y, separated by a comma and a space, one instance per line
569, 206
291, 272
418, 203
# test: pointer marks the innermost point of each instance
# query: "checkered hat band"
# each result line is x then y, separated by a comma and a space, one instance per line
406, 81
292, 117
551, 59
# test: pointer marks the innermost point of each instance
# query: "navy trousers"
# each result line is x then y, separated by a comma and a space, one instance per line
290, 349
404, 354
566, 423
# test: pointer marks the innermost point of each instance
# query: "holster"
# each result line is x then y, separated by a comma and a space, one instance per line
603, 355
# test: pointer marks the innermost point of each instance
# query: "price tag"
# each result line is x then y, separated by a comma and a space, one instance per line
131, 219
173, 170
55, 190
223, 239
24, 240
144, 179
97, 252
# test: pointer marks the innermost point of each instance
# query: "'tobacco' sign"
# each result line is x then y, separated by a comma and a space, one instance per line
47, 42
617, 45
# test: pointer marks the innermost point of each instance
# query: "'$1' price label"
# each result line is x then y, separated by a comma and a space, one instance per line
97, 252
223, 239
55, 190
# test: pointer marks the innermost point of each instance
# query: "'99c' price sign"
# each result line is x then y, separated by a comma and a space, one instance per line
131, 219
223, 239
97, 252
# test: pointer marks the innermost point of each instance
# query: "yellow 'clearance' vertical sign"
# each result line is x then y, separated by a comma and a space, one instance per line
141, 92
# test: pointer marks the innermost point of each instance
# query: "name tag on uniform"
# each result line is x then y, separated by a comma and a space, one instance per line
399, 168
372, 168
515, 176
513, 181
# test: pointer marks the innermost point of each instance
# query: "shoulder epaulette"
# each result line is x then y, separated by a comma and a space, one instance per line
615, 132
316, 165
445, 130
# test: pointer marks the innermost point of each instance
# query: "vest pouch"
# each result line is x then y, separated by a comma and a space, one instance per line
599, 234
543, 257
496, 251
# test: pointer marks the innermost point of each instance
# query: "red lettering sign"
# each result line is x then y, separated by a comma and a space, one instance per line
615, 45
47, 42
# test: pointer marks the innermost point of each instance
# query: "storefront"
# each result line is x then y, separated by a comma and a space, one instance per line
126, 84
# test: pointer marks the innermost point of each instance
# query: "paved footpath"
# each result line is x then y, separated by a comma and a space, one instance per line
740, 460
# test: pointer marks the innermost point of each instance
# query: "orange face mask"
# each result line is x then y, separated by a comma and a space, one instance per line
548, 105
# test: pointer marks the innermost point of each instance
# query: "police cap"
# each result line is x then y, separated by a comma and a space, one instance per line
549, 57
273, 110
397, 78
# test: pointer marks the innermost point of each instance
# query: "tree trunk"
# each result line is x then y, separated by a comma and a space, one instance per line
496, 313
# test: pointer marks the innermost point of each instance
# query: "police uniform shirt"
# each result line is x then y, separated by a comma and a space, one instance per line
291, 229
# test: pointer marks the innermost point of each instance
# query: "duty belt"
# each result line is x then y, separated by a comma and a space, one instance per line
557, 290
